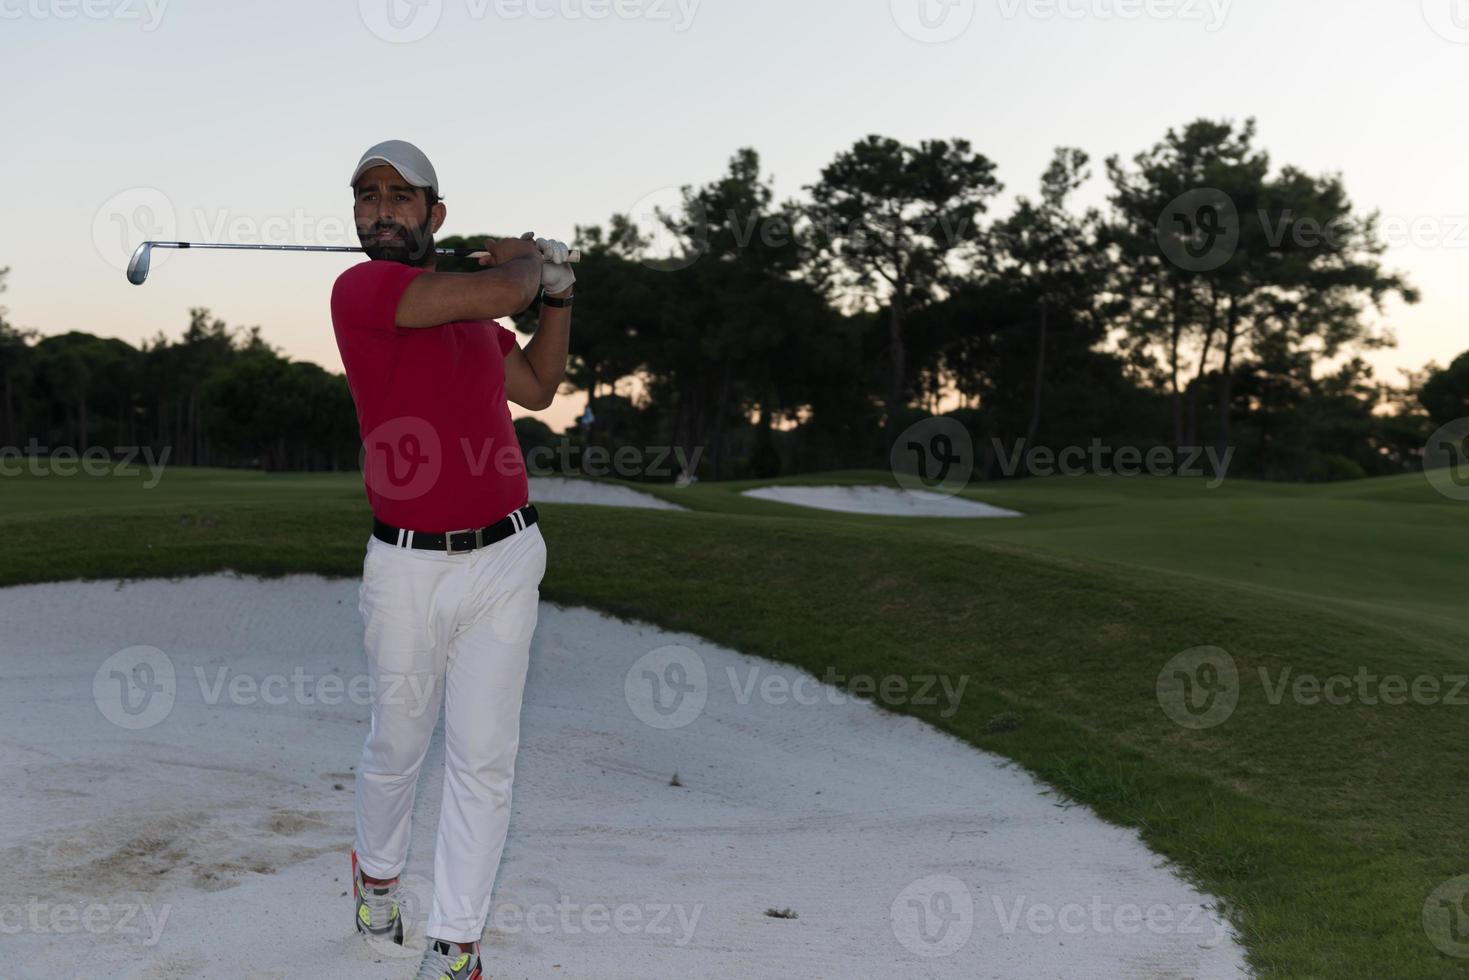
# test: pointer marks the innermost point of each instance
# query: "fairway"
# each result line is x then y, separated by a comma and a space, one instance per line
1324, 826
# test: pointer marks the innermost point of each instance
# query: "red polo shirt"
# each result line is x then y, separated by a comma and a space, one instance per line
439, 449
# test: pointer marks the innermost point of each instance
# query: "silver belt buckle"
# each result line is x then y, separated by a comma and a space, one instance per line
479, 540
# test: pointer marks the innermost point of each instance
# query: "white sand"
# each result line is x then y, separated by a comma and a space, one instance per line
216, 840
560, 490
889, 501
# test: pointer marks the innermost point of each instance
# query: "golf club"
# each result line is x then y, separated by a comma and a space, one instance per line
138, 266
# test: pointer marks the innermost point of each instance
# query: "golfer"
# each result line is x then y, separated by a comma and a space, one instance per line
451, 578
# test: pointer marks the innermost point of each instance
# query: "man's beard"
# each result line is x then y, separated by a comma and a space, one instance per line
408, 246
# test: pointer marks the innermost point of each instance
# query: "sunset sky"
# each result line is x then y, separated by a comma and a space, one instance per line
127, 120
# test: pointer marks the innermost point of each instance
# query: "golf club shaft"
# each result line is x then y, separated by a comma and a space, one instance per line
462, 253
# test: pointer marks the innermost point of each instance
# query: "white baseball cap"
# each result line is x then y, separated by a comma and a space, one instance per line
403, 157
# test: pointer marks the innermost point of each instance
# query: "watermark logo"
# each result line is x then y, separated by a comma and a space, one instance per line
1446, 460
668, 687
674, 922
1199, 230
129, 218
1101, 917
299, 227
1364, 687
1100, 459
94, 461
139, 922
400, 21
401, 459
932, 21
149, 12
1211, 13
1199, 688
890, 690
1446, 917
1449, 19
935, 455
675, 232
135, 688
934, 916
678, 12
416, 691
407, 21
625, 462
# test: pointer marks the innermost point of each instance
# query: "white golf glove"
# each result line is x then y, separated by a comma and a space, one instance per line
556, 274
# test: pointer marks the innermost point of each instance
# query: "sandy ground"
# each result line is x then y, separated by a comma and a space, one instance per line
205, 829
888, 501
560, 490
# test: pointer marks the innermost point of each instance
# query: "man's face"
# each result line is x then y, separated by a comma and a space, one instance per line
393, 219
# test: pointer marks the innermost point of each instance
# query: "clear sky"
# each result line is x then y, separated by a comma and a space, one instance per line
131, 119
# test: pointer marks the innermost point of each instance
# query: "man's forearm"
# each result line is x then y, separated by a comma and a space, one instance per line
523, 274
548, 347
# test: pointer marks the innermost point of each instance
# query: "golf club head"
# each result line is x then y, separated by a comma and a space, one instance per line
138, 266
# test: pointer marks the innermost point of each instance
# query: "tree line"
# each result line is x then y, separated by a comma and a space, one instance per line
1214, 300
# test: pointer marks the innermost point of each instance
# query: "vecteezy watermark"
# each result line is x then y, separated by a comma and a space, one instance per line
136, 920
1449, 19
127, 219
400, 21
296, 227
1199, 230
933, 917
138, 688
407, 21
1199, 688
1099, 916
675, 921
146, 214
135, 688
1211, 13
675, 230
1102, 460
1363, 687
669, 687
935, 455
1286, 227
403, 458
148, 12
1415, 231
565, 917
1446, 460
415, 689
1446, 917
625, 462
38, 460
932, 21
416, 896
299, 227
891, 690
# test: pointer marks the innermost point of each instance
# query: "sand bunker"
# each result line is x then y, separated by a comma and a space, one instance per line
888, 501
177, 762
560, 490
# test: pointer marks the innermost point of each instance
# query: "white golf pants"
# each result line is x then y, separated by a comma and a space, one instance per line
456, 630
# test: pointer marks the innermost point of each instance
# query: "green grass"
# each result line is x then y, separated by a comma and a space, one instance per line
1322, 827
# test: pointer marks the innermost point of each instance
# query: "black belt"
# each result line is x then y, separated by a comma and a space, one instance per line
457, 542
